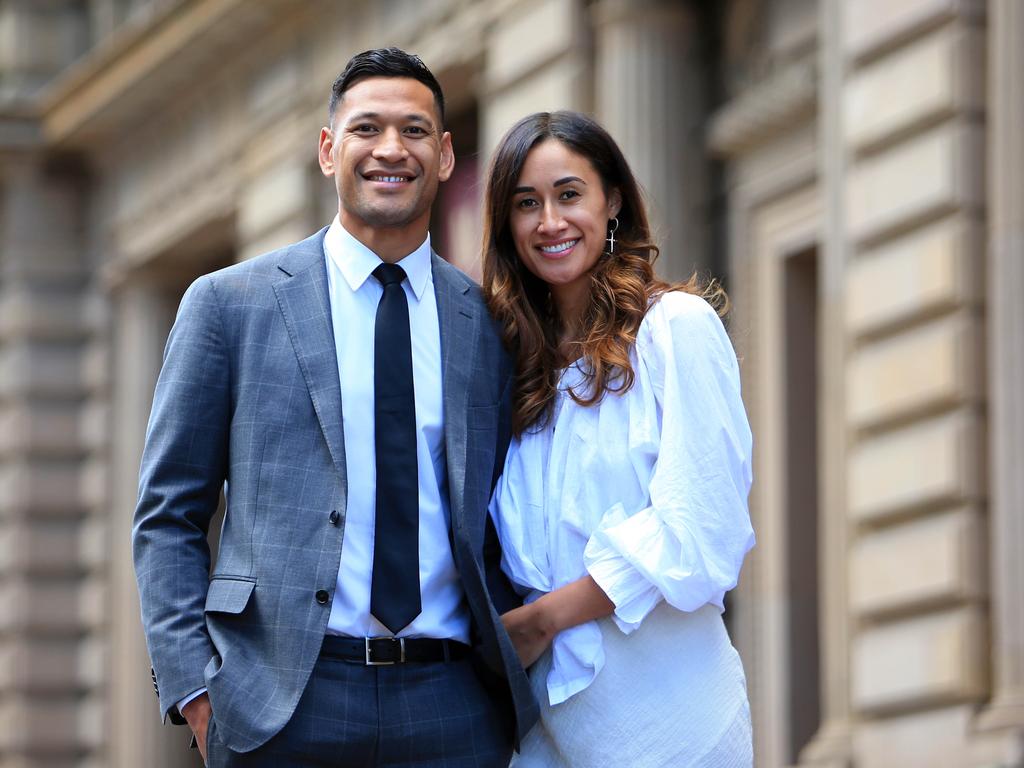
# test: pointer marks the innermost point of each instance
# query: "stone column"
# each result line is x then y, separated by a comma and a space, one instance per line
1006, 360
650, 94
135, 734
831, 746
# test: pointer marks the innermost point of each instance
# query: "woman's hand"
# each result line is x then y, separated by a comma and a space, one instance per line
533, 626
531, 631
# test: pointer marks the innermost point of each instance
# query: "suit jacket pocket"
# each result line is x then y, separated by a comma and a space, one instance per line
482, 416
229, 594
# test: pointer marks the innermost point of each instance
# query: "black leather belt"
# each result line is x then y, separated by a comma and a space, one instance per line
384, 651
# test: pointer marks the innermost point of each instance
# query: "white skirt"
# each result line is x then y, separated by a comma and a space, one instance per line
672, 693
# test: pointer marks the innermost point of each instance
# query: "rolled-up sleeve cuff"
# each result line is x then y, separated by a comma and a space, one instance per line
609, 565
191, 697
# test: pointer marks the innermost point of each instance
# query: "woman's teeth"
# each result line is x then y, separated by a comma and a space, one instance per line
560, 247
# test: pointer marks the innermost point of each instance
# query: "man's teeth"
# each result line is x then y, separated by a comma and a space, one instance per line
388, 178
560, 247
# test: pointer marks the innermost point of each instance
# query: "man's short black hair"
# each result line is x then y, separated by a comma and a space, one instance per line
384, 62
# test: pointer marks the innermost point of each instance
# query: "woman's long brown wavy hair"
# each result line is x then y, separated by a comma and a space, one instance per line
622, 284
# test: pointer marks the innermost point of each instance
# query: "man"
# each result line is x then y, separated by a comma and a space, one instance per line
352, 393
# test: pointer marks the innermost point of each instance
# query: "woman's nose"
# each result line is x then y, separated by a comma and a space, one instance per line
550, 220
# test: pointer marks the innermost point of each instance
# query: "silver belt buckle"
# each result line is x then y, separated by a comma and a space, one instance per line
366, 652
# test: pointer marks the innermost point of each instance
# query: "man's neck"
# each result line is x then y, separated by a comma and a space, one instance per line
391, 244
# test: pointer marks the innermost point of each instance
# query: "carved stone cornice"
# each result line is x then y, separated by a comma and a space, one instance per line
140, 65
764, 110
19, 131
607, 12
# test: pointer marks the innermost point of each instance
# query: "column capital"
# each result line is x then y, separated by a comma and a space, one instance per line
635, 11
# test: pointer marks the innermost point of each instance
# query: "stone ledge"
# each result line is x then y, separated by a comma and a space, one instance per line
48, 489
764, 110
924, 466
43, 727
94, 541
50, 607
40, 369
873, 27
934, 738
931, 271
94, 484
94, 425
917, 180
932, 79
49, 548
925, 370
918, 565
45, 666
117, 81
921, 662
41, 429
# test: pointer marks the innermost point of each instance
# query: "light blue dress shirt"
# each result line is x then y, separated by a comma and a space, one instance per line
354, 294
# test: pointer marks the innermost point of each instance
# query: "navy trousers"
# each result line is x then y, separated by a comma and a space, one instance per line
428, 715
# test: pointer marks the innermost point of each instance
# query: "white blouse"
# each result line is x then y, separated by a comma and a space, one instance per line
646, 492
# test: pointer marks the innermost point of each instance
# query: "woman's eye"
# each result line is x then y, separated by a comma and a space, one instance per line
526, 202
569, 194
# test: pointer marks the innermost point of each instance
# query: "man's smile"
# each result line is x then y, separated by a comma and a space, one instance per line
389, 179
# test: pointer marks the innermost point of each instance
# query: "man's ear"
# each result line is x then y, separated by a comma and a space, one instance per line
326, 156
447, 157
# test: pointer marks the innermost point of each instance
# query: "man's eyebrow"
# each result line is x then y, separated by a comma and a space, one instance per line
362, 116
412, 118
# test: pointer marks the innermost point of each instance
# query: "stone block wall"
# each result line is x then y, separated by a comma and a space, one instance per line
52, 585
913, 130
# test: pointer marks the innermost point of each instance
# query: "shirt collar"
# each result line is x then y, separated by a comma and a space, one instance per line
356, 262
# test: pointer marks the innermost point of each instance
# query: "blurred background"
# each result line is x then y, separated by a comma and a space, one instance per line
853, 170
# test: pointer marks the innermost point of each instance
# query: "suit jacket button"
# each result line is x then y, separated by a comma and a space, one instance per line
322, 597
335, 517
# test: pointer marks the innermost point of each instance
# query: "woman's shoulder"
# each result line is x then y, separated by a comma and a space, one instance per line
675, 312
683, 332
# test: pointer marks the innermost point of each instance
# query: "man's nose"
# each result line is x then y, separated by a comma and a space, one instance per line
390, 147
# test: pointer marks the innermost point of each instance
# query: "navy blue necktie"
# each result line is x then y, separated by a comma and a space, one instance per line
395, 589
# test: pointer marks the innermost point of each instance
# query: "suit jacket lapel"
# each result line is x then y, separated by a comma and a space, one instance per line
303, 297
459, 323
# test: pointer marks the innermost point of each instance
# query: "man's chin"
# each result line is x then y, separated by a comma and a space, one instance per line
388, 218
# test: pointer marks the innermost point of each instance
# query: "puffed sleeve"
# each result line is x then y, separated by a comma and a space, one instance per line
688, 545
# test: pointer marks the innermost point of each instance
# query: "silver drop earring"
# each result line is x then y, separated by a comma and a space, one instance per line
613, 227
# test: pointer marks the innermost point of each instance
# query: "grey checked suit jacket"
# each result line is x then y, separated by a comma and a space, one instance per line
249, 395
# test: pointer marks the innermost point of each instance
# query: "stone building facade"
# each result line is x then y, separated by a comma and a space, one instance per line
853, 169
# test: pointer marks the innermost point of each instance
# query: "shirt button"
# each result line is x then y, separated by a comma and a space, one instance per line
322, 597
335, 517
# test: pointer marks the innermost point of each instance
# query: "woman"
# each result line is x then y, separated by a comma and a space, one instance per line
622, 508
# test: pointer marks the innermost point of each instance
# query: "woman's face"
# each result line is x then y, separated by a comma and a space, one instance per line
559, 217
